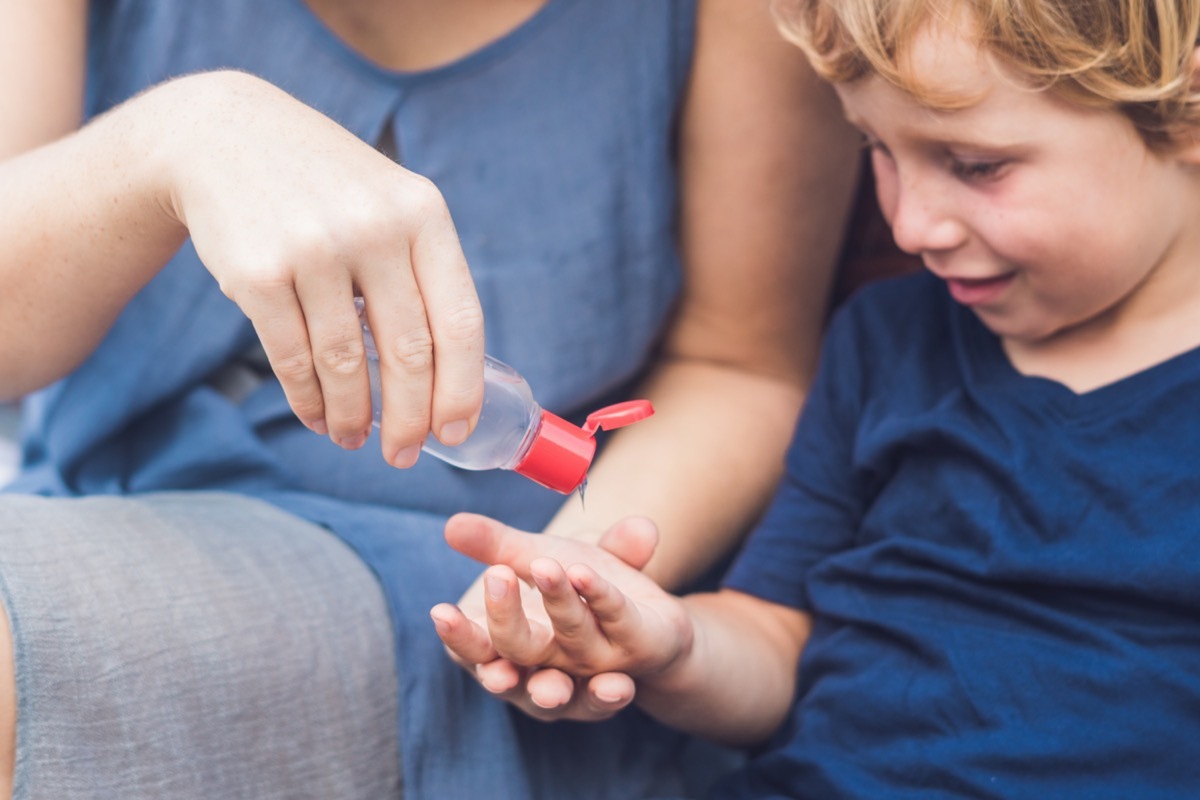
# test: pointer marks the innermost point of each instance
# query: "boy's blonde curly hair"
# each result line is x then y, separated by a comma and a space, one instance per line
1130, 55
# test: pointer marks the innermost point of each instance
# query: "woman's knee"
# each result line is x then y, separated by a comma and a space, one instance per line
8, 708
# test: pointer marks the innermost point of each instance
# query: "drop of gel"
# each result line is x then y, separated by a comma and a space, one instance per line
582, 486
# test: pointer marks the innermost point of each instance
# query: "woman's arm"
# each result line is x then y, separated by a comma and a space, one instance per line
768, 169
42, 62
291, 213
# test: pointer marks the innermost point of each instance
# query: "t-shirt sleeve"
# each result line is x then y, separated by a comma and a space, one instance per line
817, 507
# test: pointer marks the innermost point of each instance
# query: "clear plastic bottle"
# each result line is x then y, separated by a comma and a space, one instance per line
513, 431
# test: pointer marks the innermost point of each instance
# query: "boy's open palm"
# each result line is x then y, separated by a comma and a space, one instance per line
562, 642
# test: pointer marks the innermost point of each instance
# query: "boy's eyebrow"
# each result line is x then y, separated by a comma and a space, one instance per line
951, 140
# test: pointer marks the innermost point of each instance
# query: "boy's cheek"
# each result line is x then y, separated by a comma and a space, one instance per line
886, 187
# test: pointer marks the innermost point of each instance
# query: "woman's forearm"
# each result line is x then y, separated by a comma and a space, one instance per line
768, 170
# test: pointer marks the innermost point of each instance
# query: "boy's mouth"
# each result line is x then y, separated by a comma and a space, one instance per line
977, 291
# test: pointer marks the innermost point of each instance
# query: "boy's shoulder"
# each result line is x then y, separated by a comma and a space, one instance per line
918, 287
895, 337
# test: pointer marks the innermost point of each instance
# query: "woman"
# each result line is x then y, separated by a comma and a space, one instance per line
649, 197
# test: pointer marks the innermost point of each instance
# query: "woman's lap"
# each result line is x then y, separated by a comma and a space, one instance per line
194, 645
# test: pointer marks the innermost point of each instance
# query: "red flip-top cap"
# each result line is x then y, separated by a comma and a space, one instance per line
561, 453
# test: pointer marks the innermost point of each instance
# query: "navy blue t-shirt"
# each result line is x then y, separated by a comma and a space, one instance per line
1004, 574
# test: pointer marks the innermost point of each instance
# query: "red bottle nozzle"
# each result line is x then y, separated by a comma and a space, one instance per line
561, 453
616, 416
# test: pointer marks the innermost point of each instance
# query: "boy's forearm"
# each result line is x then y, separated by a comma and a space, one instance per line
737, 682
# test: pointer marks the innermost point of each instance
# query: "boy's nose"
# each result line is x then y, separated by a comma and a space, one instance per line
923, 218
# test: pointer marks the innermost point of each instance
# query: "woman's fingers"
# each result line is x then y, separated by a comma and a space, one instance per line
400, 327
275, 312
427, 325
455, 319
295, 228
338, 356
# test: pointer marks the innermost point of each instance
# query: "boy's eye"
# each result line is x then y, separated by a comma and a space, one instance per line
976, 170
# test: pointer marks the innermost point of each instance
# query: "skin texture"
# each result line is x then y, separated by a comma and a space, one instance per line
90, 215
1069, 238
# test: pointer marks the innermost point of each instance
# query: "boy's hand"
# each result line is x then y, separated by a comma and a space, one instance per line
541, 621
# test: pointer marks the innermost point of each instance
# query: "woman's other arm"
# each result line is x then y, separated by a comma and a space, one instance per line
768, 170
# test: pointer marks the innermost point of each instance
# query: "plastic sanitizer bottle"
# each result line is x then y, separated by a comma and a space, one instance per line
513, 431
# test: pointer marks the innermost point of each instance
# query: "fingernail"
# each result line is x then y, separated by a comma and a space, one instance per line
482, 678
353, 442
549, 703
319, 427
453, 433
441, 624
496, 587
406, 457
543, 583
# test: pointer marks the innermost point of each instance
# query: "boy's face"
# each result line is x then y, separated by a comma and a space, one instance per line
1040, 215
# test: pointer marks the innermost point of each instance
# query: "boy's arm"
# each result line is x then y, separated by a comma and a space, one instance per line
738, 683
721, 665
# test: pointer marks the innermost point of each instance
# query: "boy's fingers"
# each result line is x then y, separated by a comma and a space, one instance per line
610, 608
488, 541
498, 676
632, 540
609, 692
575, 630
550, 688
466, 640
508, 626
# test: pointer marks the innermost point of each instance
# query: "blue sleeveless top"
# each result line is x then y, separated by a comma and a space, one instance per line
553, 147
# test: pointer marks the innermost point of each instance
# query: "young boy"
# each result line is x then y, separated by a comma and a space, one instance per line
981, 577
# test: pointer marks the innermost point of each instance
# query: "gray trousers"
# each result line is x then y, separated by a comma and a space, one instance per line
194, 645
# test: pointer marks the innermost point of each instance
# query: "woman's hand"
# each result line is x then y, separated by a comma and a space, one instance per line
561, 643
295, 216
